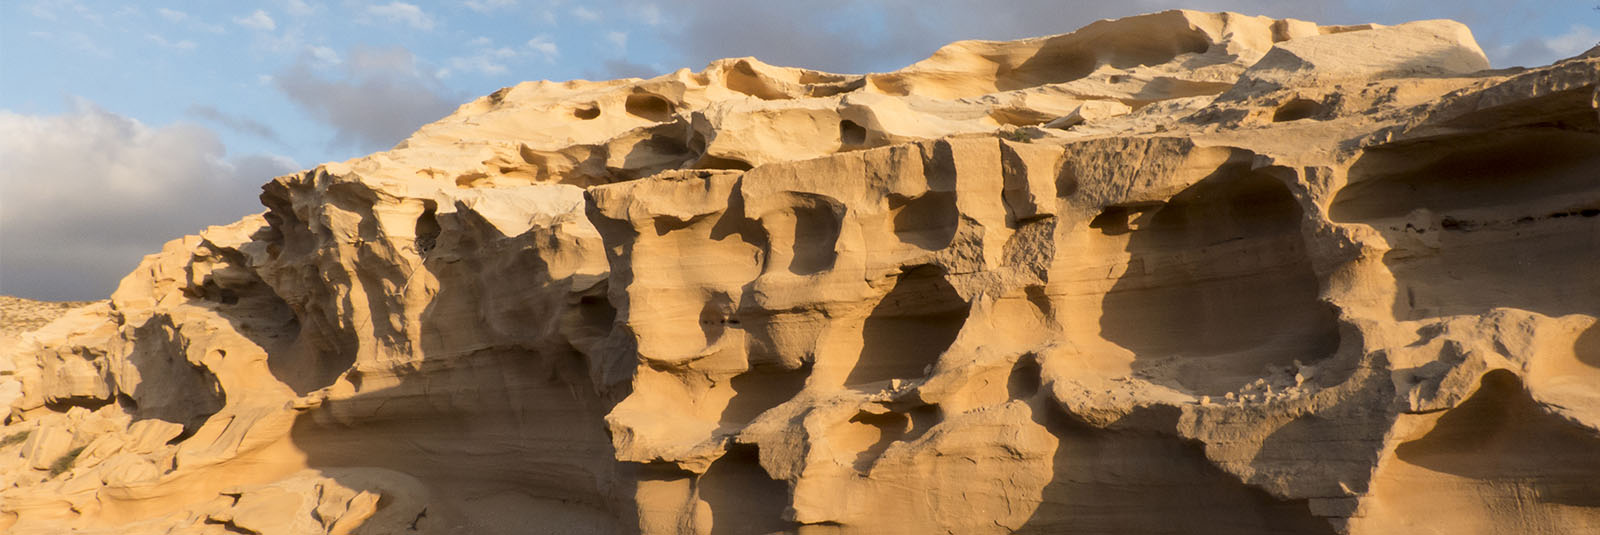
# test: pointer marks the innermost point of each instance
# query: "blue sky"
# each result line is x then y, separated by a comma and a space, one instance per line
126, 124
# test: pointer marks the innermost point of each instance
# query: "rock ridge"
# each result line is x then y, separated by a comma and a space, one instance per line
1178, 272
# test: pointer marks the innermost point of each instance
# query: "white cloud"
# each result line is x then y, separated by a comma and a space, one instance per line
180, 17
324, 54
617, 39
649, 13
543, 46
52, 9
259, 20
485, 6
491, 60
585, 13
402, 12
89, 192
1574, 42
126, 12
41, 10
288, 41
69, 34
478, 64
299, 8
487, 60
184, 44
86, 44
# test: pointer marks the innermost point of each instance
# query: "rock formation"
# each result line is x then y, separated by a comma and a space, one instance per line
1175, 273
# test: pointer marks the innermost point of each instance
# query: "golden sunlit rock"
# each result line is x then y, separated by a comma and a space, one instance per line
1174, 273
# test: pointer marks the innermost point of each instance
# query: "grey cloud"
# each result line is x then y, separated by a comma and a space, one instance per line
853, 36
86, 194
1524, 53
237, 123
618, 68
382, 97
878, 35
834, 35
1540, 51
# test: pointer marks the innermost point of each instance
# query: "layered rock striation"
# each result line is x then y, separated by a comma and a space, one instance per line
1175, 273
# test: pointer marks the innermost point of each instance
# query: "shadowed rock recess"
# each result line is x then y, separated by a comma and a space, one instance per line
1175, 273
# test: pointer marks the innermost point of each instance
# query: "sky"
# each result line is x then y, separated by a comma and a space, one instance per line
127, 124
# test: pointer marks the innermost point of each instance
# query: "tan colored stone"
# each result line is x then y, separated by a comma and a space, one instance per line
1179, 272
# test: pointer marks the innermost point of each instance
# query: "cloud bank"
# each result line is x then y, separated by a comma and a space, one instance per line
879, 35
381, 98
86, 194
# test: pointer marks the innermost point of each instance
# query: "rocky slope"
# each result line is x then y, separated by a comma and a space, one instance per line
1176, 273
18, 315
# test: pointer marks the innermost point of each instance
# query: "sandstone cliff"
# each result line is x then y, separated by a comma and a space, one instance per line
1176, 273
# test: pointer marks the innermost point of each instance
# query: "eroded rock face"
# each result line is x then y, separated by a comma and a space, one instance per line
1182, 272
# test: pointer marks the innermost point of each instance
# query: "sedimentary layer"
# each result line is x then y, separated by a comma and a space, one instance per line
1176, 273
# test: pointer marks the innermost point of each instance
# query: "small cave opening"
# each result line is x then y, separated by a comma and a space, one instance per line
427, 230
761, 388
1297, 109
929, 221
1121, 219
587, 112
1026, 378
910, 327
741, 496
817, 224
648, 107
1113, 220
1524, 170
65, 404
1105, 481
851, 134
1500, 445
210, 290
1066, 181
716, 162
744, 79
1515, 213
1217, 284
1020, 117
596, 313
